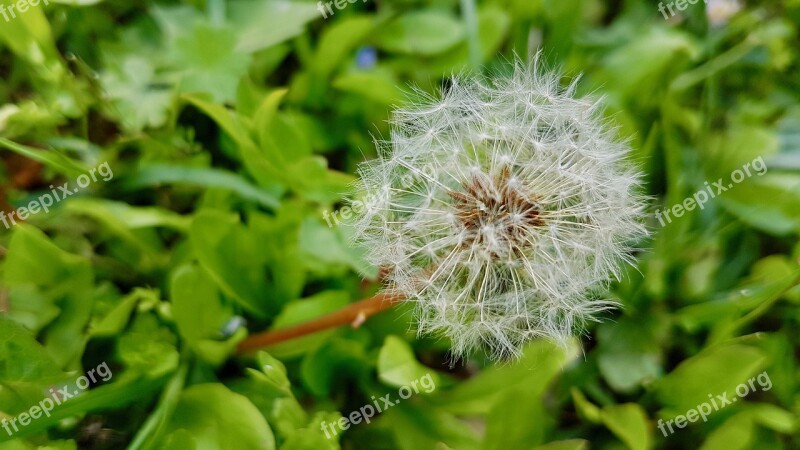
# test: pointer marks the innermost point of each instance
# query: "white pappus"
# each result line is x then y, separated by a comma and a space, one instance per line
502, 208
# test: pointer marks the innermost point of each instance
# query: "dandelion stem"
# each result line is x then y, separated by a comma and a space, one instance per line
354, 314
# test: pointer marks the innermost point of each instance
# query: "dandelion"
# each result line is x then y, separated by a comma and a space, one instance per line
503, 208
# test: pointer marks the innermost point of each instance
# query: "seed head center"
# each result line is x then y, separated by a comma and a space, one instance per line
496, 212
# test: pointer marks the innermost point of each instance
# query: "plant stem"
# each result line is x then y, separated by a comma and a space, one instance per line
470, 15
216, 12
354, 314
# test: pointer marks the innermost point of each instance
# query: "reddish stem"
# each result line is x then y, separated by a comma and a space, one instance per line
354, 314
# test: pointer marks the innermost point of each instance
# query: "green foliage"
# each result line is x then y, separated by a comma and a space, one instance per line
233, 129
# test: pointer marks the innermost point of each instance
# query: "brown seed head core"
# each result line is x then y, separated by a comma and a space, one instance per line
496, 208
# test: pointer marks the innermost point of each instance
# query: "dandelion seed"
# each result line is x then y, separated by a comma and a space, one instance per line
510, 206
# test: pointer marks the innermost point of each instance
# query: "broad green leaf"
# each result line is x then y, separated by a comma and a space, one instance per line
426, 32
398, 366
29, 306
779, 216
210, 62
64, 278
714, 371
493, 28
133, 87
279, 241
116, 395
264, 24
416, 427
377, 86
629, 423
26, 369
338, 40
265, 116
230, 254
519, 426
327, 250
541, 362
219, 418
147, 348
200, 313
333, 361
737, 433
30, 37
629, 351
313, 437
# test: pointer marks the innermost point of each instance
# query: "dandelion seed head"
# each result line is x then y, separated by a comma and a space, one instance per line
510, 205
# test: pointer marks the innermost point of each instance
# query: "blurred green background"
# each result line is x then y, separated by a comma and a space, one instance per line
230, 127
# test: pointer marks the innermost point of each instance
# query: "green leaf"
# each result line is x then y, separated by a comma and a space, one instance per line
158, 174
398, 366
147, 348
541, 362
116, 320
334, 360
230, 254
209, 61
380, 87
31, 39
215, 417
714, 371
737, 433
427, 32
586, 409
121, 217
29, 306
155, 426
338, 40
303, 310
25, 368
521, 426
629, 423
629, 351
780, 216
64, 278
52, 159
230, 122
264, 24
133, 87
416, 427
199, 313
327, 249
572, 444
262, 166
773, 417
196, 305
